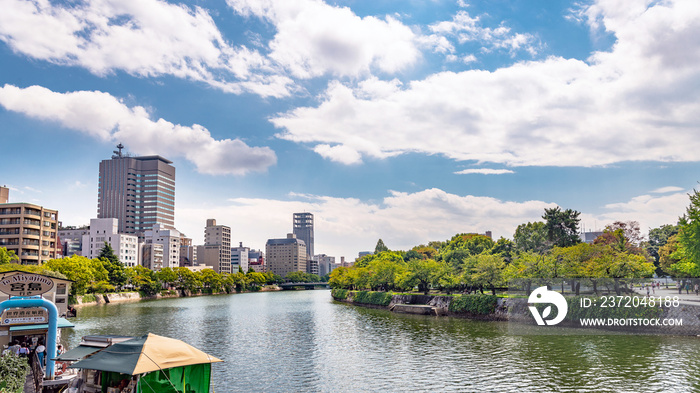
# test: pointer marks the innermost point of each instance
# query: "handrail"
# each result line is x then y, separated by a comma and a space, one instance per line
37, 372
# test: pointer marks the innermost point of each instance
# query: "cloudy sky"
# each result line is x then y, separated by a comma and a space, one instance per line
408, 121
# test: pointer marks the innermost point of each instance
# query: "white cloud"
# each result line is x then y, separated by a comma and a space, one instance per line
144, 38
635, 102
484, 171
345, 226
314, 38
650, 211
342, 154
466, 28
665, 190
107, 118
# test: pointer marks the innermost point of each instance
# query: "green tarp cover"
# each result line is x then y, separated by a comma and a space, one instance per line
119, 358
78, 353
186, 379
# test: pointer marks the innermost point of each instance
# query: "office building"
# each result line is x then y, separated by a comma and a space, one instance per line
30, 231
126, 247
326, 264
169, 239
239, 258
304, 230
71, 239
216, 251
284, 256
138, 191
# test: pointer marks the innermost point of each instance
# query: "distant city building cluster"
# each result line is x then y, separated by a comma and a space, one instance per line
136, 217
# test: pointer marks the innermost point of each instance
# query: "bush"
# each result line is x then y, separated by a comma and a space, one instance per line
13, 371
474, 304
89, 298
376, 298
339, 294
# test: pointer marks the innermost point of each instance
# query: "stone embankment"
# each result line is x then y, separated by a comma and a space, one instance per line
122, 297
487, 307
483, 306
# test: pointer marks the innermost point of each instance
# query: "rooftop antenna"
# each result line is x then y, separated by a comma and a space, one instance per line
118, 153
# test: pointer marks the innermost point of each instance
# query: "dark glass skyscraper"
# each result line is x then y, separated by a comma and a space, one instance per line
139, 191
304, 230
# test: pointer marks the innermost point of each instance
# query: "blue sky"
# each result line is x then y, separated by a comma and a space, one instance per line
408, 121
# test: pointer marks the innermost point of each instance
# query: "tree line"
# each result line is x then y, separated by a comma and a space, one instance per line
107, 274
547, 251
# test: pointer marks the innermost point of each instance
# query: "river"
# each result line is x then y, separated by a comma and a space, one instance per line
303, 341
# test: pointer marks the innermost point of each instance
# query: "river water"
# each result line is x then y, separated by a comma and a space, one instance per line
303, 341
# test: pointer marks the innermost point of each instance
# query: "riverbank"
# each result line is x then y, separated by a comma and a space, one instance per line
123, 297
481, 307
516, 310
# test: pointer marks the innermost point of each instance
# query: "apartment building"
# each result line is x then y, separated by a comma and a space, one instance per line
216, 251
29, 230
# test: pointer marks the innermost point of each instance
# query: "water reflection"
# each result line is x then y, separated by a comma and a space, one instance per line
303, 341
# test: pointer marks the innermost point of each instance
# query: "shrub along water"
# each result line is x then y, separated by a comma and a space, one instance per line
474, 304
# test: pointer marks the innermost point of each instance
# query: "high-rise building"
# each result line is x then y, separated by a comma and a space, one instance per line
304, 230
104, 230
169, 239
138, 191
216, 251
285, 256
30, 231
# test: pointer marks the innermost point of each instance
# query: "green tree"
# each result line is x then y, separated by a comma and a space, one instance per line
531, 237
187, 279
211, 280
488, 271
689, 230
562, 226
8, 256
107, 253
342, 277
298, 276
82, 271
380, 247
658, 237
385, 269
169, 276
504, 248
473, 243
423, 272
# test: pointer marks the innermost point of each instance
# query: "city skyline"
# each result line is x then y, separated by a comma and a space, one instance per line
408, 122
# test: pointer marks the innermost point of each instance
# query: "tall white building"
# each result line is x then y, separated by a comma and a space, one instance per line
106, 230
239, 258
169, 239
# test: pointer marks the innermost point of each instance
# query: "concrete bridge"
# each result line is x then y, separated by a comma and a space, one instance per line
305, 285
